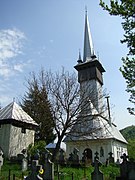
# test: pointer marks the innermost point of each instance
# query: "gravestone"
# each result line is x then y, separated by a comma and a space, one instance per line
70, 159
84, 157
75, 156
124, 167
1, 158
36, 155
127, 169
24, 160
48, 167
118, 162
111, 158
96, 174
35, 168
131, 168
20, 157
61, 158
24, 164
107, 162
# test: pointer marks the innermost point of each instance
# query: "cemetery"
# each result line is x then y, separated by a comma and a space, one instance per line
100, 155
69, 169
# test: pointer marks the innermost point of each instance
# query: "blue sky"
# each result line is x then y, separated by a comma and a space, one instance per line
49, 34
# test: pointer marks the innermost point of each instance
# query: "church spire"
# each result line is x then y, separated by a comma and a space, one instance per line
88, 45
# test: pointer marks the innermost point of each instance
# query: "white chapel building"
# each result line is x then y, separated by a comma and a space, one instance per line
94, 131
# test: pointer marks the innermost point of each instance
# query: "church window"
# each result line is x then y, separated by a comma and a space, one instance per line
121, 151
23, 130
101, 152
118, 152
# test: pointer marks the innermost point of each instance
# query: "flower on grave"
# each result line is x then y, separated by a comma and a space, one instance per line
41, 171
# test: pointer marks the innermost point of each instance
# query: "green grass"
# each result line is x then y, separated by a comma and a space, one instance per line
109, 172
14, 169
78, 173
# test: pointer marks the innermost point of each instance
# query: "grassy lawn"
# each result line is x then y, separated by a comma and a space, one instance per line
66, 173
109, 172
14, 169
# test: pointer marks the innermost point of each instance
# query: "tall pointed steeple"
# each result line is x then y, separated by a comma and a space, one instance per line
90, 70
88, 51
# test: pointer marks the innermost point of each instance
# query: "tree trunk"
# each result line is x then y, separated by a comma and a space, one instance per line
56, 150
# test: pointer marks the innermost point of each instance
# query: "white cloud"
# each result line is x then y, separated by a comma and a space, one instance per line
19, 67
5, 71
11, 44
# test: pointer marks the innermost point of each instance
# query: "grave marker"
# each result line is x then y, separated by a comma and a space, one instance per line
96, 174
61, 159
1, 158
34, 175
127, 169
48, 167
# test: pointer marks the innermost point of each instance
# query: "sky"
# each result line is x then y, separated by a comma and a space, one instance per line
49, 34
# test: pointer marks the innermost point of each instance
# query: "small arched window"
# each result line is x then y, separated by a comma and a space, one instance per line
101, 152
23, 130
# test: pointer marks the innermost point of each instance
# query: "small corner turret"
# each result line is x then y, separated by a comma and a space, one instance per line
79, 58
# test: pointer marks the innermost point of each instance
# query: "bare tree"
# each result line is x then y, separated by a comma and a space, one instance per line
73, 106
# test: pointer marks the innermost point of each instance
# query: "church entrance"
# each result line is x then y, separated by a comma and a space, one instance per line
88, 155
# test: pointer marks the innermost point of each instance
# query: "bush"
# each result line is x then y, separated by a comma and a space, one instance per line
38, 147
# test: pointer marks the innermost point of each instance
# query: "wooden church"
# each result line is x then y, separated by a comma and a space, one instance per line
17, 130
94, 131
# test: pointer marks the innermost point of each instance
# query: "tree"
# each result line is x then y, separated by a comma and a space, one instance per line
67, 108
131, 147
64, 94
128, 133
35, 102
128, 72
126, 10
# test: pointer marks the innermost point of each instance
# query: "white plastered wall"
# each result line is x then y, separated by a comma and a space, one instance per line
4, 138
19, 140
94, 145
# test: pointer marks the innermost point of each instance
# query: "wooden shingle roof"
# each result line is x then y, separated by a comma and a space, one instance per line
14, 113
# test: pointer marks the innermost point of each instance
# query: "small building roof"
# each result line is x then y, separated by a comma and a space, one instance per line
53, 146
14, 113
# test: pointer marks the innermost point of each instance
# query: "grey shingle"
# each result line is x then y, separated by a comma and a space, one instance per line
14, 112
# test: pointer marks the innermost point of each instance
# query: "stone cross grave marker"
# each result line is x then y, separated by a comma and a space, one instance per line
111, 158
127, 169
96, 174
34, 175
124, 166
75, 156
48, 167
131, 173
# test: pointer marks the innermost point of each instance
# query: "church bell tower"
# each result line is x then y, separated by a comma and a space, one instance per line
93, 130
90, 70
